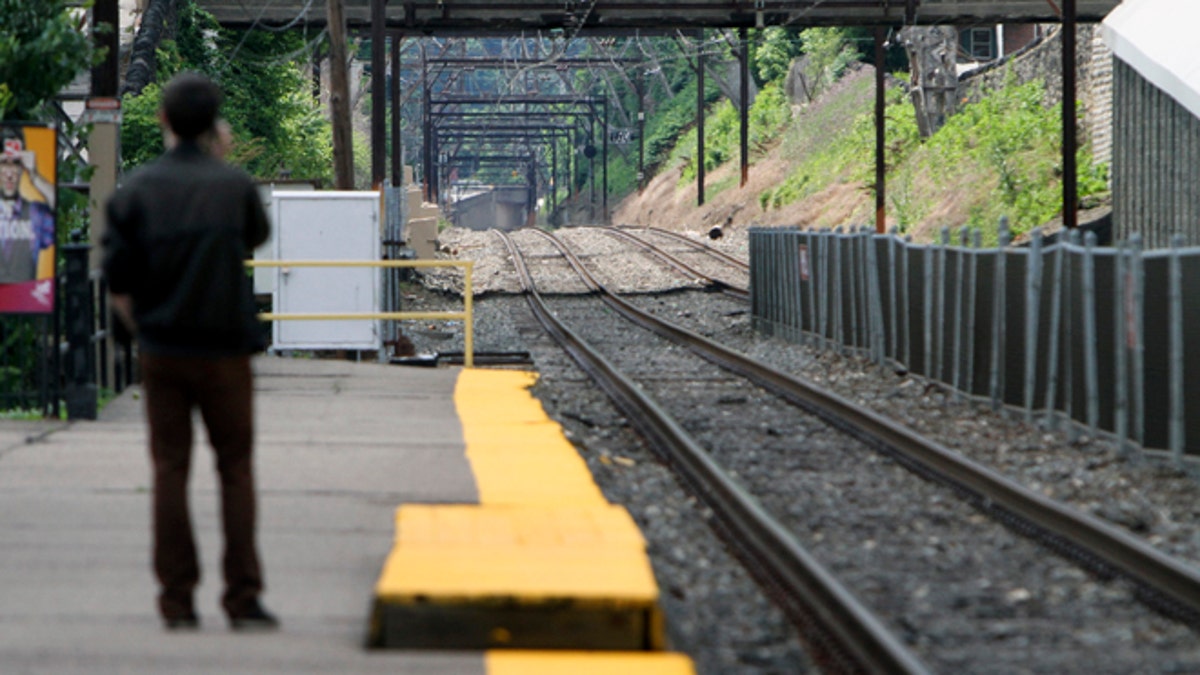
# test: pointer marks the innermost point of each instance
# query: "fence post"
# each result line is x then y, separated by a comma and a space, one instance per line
838, 327
1056, 303
1120, 345
941, 305
927, 310
1069, 344
865, 235
825, 291
1176, 348
1033, 295
1091, 359
874, 301
796, 244
810, 252
977, 244
755, 253
956, 371
769, 287
80, 391
1137, 275
796, 290
892, 276
999, 314
854, 338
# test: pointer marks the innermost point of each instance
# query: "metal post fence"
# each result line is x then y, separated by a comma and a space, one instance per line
1091, 359
1044, 348
1033, 295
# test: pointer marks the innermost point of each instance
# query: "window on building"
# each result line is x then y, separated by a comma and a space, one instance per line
980, 43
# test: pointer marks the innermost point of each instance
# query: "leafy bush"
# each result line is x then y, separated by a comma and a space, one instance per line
722, 133
277, 124
42, 48
999, 157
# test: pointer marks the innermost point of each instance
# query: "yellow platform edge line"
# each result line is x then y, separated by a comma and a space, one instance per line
529, 662
504, 427
538, 504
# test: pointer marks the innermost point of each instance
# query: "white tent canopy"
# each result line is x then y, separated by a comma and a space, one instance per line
1157, 38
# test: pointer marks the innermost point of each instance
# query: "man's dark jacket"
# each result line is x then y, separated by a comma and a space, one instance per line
179, 231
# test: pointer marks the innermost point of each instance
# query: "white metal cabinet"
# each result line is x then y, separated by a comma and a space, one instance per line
326, 226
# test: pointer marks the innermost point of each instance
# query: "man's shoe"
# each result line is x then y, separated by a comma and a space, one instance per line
254, 618
182, 622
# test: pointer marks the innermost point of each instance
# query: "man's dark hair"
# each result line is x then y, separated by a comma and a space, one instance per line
191, 102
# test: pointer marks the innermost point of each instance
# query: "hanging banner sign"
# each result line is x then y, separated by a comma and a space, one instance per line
28, 188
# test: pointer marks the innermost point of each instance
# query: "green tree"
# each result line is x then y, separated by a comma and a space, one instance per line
277, 123
774, 53
829, 52
43, 46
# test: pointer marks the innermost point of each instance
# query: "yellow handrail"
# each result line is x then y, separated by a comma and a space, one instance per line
467, 315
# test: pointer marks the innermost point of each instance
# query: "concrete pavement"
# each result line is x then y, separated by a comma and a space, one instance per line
340, 445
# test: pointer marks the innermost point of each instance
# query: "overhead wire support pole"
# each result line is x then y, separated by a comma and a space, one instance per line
397, 108
640, 83
426, 129
339, 99
744, 108
604, 162
378, 93
880, 135
700, 124
1070, 138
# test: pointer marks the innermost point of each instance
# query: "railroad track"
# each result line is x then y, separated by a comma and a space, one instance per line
861, 641
708, 282
699, 246
1169, 585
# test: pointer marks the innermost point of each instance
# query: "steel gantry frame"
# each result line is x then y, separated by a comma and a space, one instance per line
524, 65
591, 109
426, 17
509, 17
523, 137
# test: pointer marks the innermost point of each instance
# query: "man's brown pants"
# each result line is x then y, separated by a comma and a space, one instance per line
222, 388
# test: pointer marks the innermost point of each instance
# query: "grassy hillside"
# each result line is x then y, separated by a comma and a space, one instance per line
815, 165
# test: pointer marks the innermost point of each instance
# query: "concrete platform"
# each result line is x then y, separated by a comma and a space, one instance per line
340, 446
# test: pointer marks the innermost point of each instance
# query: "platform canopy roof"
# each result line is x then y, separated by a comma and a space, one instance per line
444, 16
1157, 38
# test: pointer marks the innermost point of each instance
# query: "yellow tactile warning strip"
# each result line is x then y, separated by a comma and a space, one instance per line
518, 662
465, 576
542, 562
460, 551
518, 454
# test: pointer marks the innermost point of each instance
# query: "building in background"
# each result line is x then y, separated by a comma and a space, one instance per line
1156, 120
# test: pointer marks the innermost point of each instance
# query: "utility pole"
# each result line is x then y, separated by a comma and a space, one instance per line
339, 99
103, 149
640, 85
102, 142
1070, 140
397, 140
880, 136
378, 93
700, 125
744, 103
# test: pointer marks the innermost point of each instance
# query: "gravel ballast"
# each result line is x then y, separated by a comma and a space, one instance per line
714, 611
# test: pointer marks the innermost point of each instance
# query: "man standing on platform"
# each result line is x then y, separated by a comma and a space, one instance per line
179, 232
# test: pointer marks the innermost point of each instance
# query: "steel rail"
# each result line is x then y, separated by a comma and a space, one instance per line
846, 632
1164, 582
736, 262
708, 282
